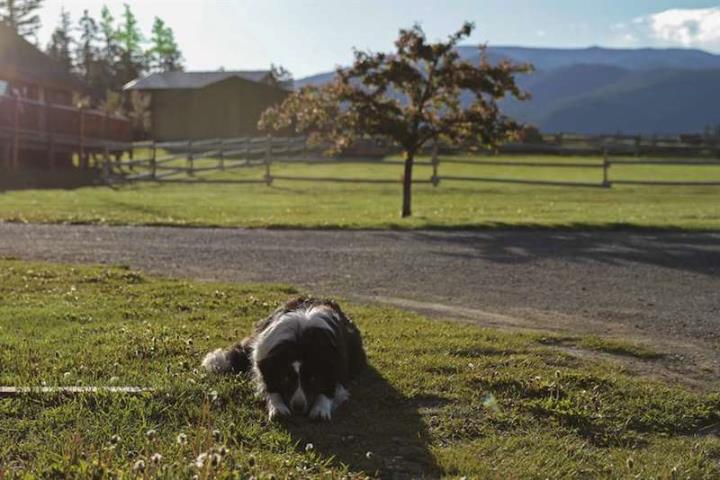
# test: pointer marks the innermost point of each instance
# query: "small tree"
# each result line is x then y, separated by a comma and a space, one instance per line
165, 55
412, 96
86, 51
21, 15
132, 59
60, 45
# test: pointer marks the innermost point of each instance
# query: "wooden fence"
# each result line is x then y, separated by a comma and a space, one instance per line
43, 130
179, 161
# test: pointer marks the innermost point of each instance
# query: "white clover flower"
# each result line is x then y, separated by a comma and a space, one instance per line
139, 466
201, 459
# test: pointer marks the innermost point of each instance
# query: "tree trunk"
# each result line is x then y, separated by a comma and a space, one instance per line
407, 185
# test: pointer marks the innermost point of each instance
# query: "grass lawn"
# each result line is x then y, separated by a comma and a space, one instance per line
441, 398
332, 205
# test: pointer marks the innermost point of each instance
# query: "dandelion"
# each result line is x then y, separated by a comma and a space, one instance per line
151, 434
181, 439
156, 458
309, 447
139, 466
201, 459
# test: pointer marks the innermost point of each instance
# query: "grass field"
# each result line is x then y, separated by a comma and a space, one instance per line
332, 205
441, 398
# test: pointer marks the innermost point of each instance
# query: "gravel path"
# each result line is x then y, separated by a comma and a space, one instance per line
659, 285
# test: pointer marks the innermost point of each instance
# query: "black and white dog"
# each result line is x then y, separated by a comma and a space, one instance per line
301, 357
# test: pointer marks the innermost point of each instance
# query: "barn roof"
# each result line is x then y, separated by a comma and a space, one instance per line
19, 59
192, 80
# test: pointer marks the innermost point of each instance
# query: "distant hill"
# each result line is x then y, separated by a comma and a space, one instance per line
600, 90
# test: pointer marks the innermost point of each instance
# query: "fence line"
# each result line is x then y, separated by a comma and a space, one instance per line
264, 152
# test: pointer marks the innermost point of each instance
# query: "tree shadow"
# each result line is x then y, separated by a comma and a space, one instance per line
379, 432
696, 252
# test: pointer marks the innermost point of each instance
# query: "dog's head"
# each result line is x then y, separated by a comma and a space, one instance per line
296, 357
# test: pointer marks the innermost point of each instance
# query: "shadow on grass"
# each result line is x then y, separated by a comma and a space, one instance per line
34, 179
378, 432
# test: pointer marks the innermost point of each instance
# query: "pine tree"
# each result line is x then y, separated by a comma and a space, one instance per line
86, 51
131, 63
60, 46
21, 15
164, 54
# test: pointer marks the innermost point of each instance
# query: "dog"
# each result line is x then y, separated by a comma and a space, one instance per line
302, 358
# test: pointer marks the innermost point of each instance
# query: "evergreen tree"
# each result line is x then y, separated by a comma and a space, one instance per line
131, 62
60, 46
21, 15
164, 54
86, 52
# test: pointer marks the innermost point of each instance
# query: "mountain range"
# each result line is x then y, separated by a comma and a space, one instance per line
605, 91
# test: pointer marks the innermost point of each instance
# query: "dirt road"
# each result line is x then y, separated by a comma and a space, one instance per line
664, 286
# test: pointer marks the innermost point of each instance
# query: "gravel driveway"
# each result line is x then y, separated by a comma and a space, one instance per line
659, 285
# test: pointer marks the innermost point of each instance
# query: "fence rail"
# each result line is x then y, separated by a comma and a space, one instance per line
264, 152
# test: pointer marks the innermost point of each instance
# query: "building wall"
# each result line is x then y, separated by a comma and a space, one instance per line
230, 108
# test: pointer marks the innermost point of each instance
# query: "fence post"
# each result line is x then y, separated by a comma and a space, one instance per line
106, 164
190, 160
435, 179
153, 161
51, 151
606, 165
82, 160
221, 153
16, 136
268, 159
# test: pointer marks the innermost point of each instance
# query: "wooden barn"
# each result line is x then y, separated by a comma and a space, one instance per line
202, 105
39, 125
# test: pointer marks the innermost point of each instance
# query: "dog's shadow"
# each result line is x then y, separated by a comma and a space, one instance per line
378, 432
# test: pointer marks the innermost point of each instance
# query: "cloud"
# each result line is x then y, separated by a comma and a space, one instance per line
698, 27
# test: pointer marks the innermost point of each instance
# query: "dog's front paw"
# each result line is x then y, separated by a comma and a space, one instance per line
322, 409
276, 407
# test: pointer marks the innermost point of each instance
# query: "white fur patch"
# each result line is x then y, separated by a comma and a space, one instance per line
319, 317
341, 396
284, 328
322, 409
217, 361
276, 406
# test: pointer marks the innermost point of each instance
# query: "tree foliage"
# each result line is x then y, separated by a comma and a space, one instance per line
61, 42
21, 15
164, 53
421, 92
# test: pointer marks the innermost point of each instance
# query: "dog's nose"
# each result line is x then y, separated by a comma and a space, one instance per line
298, 406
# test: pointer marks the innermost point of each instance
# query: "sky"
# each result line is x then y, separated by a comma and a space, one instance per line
313, 36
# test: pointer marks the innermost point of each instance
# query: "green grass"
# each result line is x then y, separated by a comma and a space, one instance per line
332, 205
441, 398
